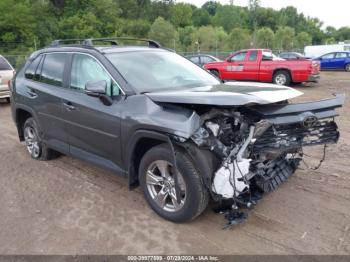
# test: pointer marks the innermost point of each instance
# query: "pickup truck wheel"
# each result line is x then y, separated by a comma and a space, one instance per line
36, 148
347, 68
157, 179
281, 78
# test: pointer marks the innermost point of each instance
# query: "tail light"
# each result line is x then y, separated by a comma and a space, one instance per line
315, 67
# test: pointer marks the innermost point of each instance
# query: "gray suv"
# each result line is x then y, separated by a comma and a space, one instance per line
166, 124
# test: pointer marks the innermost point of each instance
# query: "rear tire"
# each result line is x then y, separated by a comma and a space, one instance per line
8, 100
35, 146
193, 193
347, 68
282, 78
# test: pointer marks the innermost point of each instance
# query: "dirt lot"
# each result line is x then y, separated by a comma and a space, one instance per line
66, 206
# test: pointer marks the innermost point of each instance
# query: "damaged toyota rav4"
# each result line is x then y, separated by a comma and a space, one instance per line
166, 124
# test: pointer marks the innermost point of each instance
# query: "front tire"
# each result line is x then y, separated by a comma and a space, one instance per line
35, 146
282, 78
157, 179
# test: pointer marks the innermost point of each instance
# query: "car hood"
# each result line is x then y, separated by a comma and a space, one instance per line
228, 94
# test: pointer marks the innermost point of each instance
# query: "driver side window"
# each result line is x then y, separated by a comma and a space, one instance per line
239, 57
86, 69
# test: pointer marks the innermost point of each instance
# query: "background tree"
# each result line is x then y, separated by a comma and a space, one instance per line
238, 39
181, 15
265, 38
285, 38
163, 32
303, 39
200, 17
227, 17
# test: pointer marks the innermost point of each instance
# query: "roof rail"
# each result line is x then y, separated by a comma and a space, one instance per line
74, 41
111, 40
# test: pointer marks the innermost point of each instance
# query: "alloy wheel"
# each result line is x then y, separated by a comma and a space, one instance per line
160, 181
281, 79
31, 140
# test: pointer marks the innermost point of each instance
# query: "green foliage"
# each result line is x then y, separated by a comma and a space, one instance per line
181, 15
163, 32
29, 24
303, 39
239, 38
265, 38
200, 17
228, 17
285, 38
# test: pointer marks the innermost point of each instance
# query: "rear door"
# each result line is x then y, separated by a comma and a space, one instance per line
93, 128
251, 66
44, 85
339, 60
235, 66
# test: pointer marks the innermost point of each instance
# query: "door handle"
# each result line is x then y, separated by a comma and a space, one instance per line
69, 106
240, 64
31, 93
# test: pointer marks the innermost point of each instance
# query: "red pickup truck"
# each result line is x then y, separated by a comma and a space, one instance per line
262, 65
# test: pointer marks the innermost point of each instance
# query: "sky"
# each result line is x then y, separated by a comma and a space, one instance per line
334, 13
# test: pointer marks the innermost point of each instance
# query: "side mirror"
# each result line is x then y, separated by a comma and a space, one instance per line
98, 89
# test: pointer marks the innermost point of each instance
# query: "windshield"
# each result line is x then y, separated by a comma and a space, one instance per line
150, 71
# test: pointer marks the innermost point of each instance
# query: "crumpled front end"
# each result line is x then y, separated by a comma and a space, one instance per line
259, 147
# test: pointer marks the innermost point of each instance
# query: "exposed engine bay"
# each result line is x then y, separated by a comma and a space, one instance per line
260, 147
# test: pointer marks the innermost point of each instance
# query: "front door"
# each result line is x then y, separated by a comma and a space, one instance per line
235, 66
93, 128
327, 61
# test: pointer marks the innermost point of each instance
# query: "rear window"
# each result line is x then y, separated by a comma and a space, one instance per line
4, 65
195, 59
29, 74
53, 67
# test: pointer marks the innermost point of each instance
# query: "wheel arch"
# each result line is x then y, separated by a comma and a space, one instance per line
283, 69
21, 115
141, 142
204, 160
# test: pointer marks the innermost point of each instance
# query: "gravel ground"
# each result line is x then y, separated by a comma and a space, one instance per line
66, 206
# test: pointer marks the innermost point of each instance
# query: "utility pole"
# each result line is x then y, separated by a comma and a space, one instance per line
231, 2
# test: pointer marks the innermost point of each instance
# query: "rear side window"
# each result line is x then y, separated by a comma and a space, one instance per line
195, 59
253, 55
30, 72
4, 65
53, 67
206, 59
341, 55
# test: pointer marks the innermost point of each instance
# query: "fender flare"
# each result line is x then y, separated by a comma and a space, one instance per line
130, 152
15, 117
